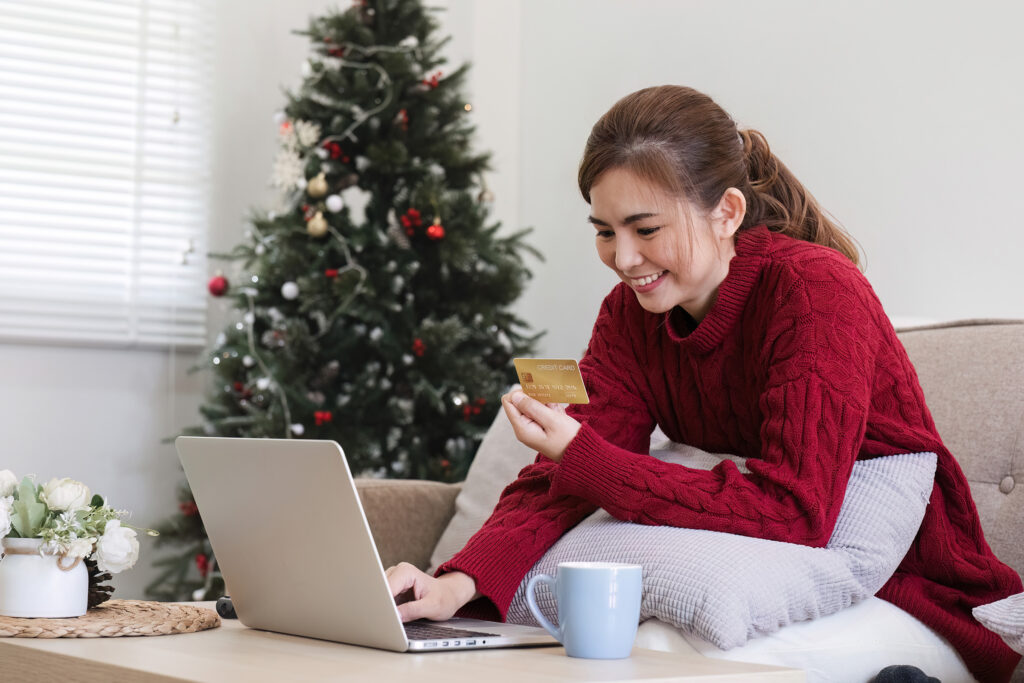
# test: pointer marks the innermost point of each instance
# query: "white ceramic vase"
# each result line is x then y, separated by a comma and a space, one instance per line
33, 585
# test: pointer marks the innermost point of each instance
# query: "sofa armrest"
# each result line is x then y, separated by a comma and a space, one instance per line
406, 516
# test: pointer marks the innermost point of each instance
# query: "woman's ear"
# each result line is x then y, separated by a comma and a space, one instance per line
727, 217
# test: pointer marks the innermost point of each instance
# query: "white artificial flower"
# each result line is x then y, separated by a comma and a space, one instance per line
117, 549
8, 483
65, 494
79, 547
307, 132
5, 515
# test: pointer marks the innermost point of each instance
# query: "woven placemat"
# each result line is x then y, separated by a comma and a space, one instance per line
116, 618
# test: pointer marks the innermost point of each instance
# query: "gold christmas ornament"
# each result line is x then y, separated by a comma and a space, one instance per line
317, 225
317, 187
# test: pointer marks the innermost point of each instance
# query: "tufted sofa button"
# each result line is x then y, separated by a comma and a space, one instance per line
1006, 485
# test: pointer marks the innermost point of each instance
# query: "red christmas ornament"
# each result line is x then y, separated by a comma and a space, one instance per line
322, 417
433, 81
331, 272
445, 463
336, 152
189, 509
203, 565
467, 412
411, 220
217, 285
436, 231
239, 386
418, 347
285, 127
403, 119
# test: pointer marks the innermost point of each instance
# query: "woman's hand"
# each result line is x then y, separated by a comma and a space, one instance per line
544, 427
420, 596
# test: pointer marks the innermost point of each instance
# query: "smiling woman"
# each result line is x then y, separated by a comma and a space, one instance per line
742, 325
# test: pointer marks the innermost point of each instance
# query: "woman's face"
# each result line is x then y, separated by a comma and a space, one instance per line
668, 254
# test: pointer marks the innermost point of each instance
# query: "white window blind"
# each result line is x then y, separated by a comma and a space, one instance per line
104, 173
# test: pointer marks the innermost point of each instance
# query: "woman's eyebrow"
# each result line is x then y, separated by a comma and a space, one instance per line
629, 219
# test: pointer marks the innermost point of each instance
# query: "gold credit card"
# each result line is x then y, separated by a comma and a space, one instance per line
551, 380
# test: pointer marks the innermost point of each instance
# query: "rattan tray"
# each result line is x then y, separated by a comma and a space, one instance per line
116, 618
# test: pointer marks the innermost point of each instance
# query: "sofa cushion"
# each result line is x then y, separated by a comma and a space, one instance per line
972, 372
1006, 618
729, 588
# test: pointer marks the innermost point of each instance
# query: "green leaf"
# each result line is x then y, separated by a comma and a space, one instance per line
27, 517
97, 501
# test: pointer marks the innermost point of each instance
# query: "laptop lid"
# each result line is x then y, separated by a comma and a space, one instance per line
288, 531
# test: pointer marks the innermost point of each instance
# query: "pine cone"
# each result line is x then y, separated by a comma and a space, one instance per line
97, 594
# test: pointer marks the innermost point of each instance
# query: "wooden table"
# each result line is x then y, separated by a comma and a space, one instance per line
236, 653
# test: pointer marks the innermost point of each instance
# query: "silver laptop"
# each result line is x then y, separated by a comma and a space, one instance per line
293, 544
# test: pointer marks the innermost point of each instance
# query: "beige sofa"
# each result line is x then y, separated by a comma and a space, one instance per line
972, 373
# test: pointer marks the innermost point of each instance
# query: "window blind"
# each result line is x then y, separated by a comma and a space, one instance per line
104, 173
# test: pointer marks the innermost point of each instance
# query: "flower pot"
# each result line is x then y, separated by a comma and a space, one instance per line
34, 585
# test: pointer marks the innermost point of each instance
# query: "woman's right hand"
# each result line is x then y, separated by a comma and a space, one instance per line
429, 598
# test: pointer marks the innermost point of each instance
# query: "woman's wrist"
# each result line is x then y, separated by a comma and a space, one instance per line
462, 584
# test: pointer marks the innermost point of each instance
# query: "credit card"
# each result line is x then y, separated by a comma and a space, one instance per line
551, 380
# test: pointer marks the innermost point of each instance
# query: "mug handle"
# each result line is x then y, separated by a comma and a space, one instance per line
531, 602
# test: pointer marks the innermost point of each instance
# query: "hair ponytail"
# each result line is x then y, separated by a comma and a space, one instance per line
777, 199
681, 139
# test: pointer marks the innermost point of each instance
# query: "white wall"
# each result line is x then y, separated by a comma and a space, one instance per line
899, 117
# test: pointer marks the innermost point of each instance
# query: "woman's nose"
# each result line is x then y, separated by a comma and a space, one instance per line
627, 255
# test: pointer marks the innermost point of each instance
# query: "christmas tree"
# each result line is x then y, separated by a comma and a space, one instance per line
373, 305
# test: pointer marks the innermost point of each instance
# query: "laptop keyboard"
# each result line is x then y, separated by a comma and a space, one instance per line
424, 630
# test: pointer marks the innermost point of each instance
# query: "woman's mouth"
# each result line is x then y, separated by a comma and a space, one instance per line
646, 283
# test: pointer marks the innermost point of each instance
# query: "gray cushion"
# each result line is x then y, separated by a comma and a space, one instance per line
1006, 618
729, 588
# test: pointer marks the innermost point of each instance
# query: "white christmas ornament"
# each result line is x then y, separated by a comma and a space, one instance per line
248, 361
410, 42
298, 429
263, 383
306, 69
260, 249
334, 203
290, 290
322, 153
249, 318
222, 339
198, 594
376, 333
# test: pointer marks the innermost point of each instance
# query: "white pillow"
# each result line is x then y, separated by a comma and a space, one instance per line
1006, 618
728, 588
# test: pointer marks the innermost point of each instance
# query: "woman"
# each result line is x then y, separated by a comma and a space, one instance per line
742, 325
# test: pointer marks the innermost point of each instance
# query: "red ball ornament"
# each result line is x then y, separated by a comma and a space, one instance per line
436, 231
321, 417
217, 285
203, 564
418, 347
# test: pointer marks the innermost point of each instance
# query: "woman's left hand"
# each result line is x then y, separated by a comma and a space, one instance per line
543, 427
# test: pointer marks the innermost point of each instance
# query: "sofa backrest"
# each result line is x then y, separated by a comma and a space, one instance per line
972, 373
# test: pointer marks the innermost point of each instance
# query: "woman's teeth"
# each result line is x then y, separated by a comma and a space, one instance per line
640, 282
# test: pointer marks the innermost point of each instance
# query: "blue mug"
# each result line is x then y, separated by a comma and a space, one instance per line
598, 607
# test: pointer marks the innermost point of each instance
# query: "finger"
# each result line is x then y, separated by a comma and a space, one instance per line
417, 609
401, 579
533, 409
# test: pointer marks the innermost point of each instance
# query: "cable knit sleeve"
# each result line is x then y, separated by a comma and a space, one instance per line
819, 352
527, 520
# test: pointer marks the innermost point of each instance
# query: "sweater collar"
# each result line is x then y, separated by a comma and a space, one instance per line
751, 248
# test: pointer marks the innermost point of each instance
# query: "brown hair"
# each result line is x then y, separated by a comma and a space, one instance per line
681, 139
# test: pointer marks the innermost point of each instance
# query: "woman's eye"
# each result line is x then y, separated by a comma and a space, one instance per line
647, 232
605, 234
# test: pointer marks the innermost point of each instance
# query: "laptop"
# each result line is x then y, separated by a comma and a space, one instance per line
292, 541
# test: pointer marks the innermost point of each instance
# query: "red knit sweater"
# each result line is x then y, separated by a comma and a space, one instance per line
797, 368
